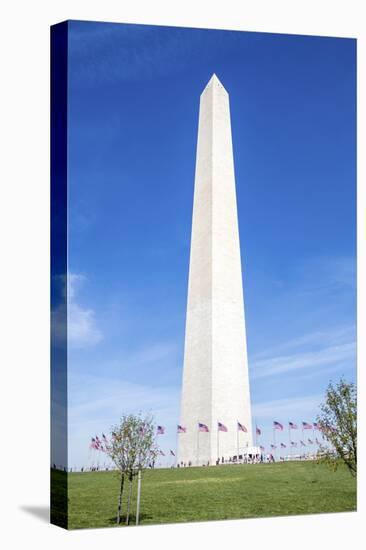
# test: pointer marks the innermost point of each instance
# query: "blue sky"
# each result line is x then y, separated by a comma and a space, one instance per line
133, 116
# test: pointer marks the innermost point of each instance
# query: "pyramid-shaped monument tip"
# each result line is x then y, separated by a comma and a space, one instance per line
215, 80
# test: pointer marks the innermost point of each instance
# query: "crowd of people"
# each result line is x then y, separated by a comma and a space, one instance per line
241, 459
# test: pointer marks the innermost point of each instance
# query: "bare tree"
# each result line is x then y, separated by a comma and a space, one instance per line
131, 447
338, 422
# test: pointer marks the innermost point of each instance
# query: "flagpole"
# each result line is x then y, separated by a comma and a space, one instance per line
274, 442
256, 434
218, 439
237, 440
198, 444
176, 448
289, 439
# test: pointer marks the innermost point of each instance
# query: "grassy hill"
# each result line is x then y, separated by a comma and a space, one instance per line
222, 492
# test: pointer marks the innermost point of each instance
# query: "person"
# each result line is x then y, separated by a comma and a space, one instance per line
189, 463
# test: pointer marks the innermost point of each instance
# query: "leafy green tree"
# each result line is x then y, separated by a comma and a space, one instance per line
132, 448
338, 422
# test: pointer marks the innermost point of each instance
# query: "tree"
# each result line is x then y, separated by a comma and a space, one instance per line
338, 423
131, 447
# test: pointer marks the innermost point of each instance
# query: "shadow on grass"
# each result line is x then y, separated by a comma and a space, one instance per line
113, 521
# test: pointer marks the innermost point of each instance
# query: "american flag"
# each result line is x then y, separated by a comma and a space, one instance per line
242, 427
93, 444
104, 437
302, 443
161, 453
317, 441
202, 427
160, 430
277, 426
293, 444
283, 446
316, 426
309, 441
181, 429
221, 427
258, 430
273, 446
307, 426
292, 426
262, 448
172, 452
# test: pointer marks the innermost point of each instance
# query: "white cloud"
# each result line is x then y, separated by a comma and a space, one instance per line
154, 353
324, 275
330, 355
82, 328
330, 349
110, 397
97, 402
288, 408
75, 280
338, 335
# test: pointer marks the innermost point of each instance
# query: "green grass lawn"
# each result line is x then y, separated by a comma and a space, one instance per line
221, 492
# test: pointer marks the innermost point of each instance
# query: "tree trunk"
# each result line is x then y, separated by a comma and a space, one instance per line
120, 498
138, 497
129, 502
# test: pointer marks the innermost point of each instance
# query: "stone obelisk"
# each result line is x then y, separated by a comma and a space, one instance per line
215, 375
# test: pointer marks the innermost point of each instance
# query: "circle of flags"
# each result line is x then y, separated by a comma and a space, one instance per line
100, 444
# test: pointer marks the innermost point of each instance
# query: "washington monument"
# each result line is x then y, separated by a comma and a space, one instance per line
215, 419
